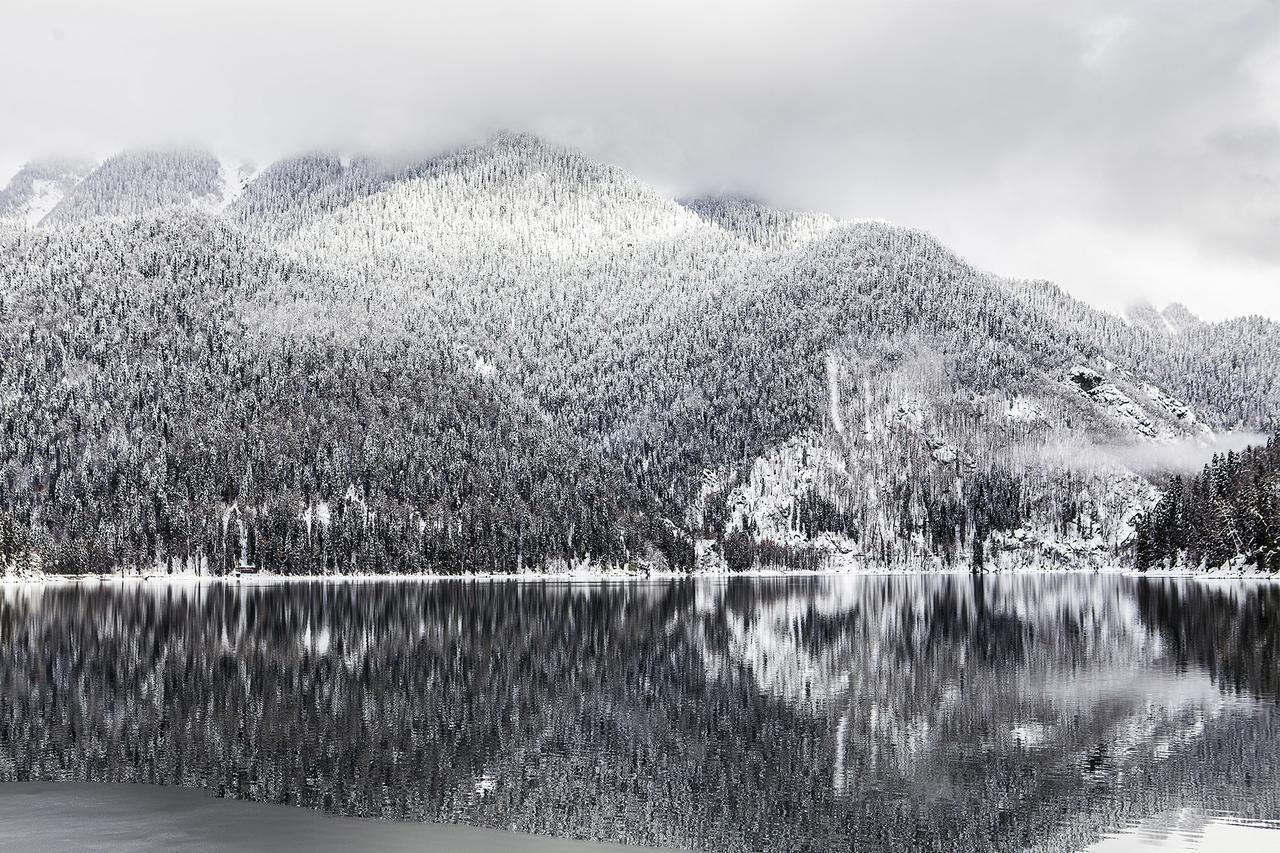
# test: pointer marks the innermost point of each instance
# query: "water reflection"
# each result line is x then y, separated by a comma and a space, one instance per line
900, 713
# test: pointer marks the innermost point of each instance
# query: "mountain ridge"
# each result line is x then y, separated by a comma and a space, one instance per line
722, 384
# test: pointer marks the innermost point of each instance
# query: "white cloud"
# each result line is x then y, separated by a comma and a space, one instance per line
1113, 145
1103, 38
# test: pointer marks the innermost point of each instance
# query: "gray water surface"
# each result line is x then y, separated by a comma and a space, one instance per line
1049, 712
87, 817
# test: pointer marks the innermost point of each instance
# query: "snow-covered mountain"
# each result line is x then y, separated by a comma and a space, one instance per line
144, 181
1178, 318
511, 356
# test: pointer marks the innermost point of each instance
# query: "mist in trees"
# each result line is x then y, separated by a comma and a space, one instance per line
1228, 512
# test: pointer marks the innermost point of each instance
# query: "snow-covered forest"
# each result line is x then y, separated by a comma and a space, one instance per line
511, 358
1228, 512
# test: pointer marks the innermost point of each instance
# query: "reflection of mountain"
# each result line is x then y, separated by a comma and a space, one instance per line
909, 665
1032, 690
894, 713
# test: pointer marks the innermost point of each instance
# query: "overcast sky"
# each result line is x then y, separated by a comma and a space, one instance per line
1122, 148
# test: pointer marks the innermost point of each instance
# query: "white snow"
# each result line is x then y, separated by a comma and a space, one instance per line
236, 173
1023, 409
776, 482
45, 196
833, 391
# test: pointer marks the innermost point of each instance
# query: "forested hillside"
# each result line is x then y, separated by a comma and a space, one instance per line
510, 357
38, 187
1229, 512
140, 182
149, 416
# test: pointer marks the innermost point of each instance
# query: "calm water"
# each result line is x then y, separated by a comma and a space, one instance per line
898, 713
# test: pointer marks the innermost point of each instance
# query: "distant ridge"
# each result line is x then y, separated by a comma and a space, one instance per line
39, 186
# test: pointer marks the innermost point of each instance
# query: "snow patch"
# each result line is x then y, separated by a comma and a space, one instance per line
235, 175
768, 501
833, 391
45, 196
1023, 410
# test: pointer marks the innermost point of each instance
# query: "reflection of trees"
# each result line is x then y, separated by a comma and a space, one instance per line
920, 713
1230, 630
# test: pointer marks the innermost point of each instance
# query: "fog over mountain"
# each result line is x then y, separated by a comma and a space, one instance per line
1121, 149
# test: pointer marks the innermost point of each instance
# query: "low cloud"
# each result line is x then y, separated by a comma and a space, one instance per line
1187, 455
1120, 147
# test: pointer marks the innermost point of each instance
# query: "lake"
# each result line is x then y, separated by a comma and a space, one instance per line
1042, 712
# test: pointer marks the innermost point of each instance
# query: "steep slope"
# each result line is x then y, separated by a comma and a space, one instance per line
38, 187
1179, 317
1229, 370
1232, 367
140, 182
1145, 315
291, 193
1174, 319
920, 408
550, 267
152, 418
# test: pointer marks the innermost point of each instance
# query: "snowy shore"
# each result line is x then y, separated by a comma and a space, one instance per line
595, 575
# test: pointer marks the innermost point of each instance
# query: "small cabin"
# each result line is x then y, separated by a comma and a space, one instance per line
246, 569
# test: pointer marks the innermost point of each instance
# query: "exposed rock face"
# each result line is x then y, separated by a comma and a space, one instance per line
1085, 377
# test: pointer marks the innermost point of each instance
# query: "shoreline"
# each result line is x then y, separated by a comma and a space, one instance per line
139, 816
605, 576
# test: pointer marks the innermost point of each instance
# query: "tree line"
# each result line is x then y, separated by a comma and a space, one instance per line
1229, 512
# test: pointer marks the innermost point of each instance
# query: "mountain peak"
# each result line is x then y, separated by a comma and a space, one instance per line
1179, 317
141, 180
520, 140
522, 154
39, 186
1143, 315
